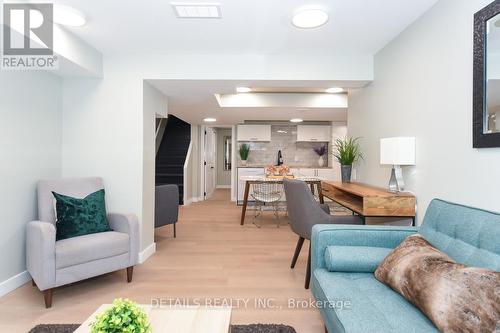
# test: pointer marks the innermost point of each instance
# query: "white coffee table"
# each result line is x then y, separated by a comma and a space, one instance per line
178, 319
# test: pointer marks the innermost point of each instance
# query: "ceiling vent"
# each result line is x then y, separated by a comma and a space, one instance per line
197, 9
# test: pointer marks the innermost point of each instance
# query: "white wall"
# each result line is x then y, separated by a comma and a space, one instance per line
30, 148
103, 136
154, 104
196, 168
339, 131
423, 88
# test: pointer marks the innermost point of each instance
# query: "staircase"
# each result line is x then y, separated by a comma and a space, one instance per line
172, 153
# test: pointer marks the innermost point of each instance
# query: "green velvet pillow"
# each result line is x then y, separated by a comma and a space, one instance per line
77, 217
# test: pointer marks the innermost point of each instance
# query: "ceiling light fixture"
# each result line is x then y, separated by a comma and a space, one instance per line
197, 9
243, 89
210, 120
68, 16
296, 120
334, 90
309, 18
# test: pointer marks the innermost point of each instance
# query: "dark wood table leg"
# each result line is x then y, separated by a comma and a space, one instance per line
320, 193
245, 203
312, 188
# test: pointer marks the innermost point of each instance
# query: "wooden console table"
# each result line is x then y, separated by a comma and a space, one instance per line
370, 201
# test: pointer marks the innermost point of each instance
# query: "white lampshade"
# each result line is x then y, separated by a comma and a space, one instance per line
397, 151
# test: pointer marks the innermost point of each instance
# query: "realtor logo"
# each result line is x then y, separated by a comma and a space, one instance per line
28, 36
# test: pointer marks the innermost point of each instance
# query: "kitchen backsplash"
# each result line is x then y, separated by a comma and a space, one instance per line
295, 154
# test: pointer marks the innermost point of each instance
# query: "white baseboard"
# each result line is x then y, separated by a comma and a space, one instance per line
14, 282
146, 253
192, 200
197, 199
223, 186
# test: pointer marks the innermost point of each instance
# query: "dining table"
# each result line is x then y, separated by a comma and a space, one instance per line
313, 182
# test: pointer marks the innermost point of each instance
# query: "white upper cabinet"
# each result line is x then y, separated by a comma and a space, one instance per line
314, 133
254, 133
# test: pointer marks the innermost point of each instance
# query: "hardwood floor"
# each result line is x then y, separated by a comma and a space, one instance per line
212, 259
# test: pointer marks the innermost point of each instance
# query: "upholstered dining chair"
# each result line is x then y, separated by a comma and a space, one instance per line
167, 206
304, 212
54, 263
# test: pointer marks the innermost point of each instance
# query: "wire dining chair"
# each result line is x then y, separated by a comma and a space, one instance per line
266, 193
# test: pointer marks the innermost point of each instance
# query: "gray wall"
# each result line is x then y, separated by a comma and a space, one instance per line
223, 176
295, 154
30, 147
423, 88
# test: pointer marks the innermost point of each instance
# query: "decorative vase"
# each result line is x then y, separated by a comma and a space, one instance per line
346, 173
243, 162
321, 161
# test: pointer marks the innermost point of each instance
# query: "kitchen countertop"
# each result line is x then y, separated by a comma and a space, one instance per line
290, 166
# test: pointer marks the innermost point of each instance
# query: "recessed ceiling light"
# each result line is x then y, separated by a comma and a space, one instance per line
210, 120
310, 18
197, 9
334, 90
68, 16
296, 120
243, 89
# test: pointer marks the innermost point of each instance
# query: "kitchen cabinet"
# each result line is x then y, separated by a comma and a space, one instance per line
314, 133
253, 133
327, 173
256, 172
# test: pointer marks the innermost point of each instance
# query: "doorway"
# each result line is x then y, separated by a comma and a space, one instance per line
218, 159
210, 163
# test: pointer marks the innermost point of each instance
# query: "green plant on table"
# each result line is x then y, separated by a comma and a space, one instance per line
244, 150
124, 316
347, 151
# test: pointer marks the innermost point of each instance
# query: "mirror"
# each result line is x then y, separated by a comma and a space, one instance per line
227, 153
486, 97
492, 108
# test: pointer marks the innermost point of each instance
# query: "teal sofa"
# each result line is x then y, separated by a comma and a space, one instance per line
344, 259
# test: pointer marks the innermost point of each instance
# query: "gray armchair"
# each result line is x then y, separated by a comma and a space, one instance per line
54, 263
305, 212
166, 206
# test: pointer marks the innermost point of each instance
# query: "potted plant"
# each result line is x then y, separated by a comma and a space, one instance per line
123, 316
347, 151
244, 150
321, 151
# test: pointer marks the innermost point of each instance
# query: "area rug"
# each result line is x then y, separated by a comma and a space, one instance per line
254, 328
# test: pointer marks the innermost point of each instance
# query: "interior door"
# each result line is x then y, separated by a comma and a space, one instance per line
210, 160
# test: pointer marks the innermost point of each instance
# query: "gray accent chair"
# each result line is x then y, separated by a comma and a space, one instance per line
54, 263
305, 212
166, 206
